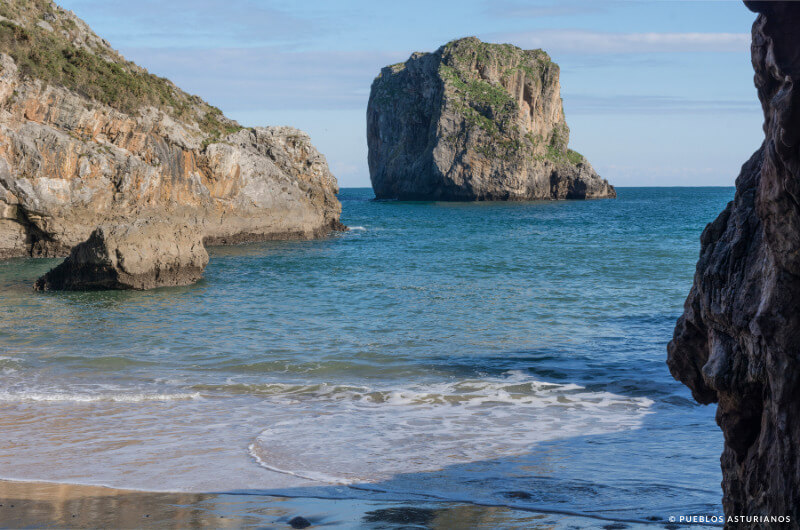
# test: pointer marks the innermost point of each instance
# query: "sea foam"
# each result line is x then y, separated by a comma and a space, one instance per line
73, 397
365, 434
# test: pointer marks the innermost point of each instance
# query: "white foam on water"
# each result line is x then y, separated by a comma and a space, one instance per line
308, 475
235, 435
23, 386
355, 228
72, 397
10, 365
342, 435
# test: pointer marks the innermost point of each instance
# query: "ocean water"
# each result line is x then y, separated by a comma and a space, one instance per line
503, 354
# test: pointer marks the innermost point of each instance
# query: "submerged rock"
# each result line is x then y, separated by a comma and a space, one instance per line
88, 138
738, 341
474, 121
299, 522
143, 255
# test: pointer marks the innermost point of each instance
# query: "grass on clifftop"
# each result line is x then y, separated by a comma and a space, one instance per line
471, 48
40, 54
488, 105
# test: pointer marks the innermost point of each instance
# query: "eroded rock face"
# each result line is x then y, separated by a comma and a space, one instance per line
474, 121
738, 341
72, 159
143, 255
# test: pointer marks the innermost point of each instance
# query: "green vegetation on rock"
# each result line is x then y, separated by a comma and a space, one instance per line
488, 105
477, 90
474, 121
99, 74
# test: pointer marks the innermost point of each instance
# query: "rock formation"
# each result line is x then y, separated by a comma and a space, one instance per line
738, 341
142, 255
474, 121
88, 138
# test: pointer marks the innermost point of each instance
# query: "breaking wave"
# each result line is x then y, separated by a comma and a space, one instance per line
74, 397
345, 434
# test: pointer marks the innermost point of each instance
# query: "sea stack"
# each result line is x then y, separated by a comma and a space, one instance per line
474, 121
88, 139
738, 341
141, 255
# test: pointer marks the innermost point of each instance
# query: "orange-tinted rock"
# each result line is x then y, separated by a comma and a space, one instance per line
69, 164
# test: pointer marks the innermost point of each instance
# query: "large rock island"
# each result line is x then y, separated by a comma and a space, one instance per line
89, 139
474, 121
738, 341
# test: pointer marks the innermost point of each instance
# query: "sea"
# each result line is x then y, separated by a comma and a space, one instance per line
489, 354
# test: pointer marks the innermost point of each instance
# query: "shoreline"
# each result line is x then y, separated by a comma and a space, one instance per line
64, 505
95, 383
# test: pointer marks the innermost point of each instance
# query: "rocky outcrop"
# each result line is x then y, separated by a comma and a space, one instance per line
738, 341
88, 139
143, 255
474, 121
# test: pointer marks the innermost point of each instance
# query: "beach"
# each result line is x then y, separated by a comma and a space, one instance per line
489, 354
40, 504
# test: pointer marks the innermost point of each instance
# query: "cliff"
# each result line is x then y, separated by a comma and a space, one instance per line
88, 138
474, 121
738, 341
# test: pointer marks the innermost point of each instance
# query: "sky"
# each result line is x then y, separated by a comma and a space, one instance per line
656, 92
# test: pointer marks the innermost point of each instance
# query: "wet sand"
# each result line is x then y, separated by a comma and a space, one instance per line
49, 505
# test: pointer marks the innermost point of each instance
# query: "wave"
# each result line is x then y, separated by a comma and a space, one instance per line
343, 434
7, 360
356, 228
515, 389
74, 397
308, 475
10, 365
109, 362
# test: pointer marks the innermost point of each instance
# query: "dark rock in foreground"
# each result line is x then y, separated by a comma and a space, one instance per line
144, 255
474, 121
299, 522
738, 341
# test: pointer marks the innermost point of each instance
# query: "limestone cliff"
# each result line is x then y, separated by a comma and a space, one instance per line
738, 341
88, 138
474, 121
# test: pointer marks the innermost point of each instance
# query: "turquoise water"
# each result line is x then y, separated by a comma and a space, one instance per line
496, 353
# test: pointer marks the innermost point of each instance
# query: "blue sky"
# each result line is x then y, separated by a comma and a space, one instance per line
656, 93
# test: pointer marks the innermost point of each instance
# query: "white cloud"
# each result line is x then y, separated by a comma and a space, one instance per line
598, 42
